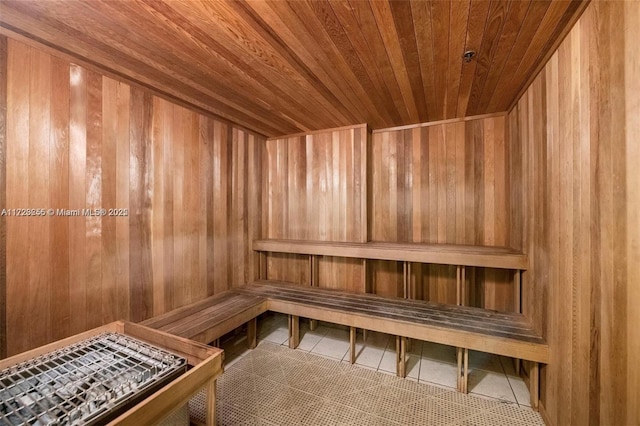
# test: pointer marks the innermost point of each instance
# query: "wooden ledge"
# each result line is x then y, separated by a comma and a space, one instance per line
442, 254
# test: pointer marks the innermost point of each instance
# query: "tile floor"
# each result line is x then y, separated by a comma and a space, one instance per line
492, 381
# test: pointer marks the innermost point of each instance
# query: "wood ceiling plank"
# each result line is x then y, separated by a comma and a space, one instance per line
345, 14
293, 38
341, 40
207, 61
367, 24
478, 14
495, 24
512, 27
547, 26
563, 28
440, 32
281, 67
171, 45
265, 88
242, 44
421, 12
457, 38
528, 28
386, 26
404, 24
54, 33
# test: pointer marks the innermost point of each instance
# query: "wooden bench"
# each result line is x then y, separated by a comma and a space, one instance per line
465, 328
213, 317
461, 256
508, 334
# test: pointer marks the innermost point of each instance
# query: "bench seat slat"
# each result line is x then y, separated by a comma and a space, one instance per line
409, 304
445, 324
378, 306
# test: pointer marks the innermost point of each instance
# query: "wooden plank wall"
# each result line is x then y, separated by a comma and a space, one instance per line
443, 183
577, 129
77, 139
316, 188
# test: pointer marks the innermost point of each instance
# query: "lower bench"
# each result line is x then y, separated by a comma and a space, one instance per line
508, 334
213, 317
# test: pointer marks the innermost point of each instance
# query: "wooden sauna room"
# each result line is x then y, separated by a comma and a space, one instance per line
319, 212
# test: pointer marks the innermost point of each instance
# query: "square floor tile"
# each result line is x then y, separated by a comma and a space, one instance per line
331, 346
278, 335
369, 356
438, 372
491, 384
440, 353
485, 361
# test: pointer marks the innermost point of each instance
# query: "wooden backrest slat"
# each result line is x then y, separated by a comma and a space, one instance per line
443, 254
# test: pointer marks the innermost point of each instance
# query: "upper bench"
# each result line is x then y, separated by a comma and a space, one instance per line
443, 254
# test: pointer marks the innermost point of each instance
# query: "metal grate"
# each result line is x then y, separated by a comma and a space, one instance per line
84, 383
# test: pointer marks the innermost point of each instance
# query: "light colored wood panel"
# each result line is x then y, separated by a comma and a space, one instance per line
38, 285
109, 159
93, 187
61, 309
77, 197
123, 166
632, 156
3, 194
157, 214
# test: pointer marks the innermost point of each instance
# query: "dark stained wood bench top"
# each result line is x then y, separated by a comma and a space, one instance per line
508, 334
443, 254
210, 318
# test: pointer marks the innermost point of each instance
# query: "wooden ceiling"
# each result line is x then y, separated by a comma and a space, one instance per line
281, 67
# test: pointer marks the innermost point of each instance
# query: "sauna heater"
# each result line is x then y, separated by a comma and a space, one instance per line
89, 382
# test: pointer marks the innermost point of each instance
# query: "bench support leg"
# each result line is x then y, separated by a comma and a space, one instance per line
313, 282
534, 384
352, 344
294, 331
401, 358
463, 369
252, 333
364, 335
211, 403
517, 305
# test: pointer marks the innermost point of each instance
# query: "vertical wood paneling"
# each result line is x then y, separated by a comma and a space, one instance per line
108, 179
3, 196
141, 284
445, 183
18, 75
93, 187
78, 140
576, 131
123, 172
316, 189
59, 190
